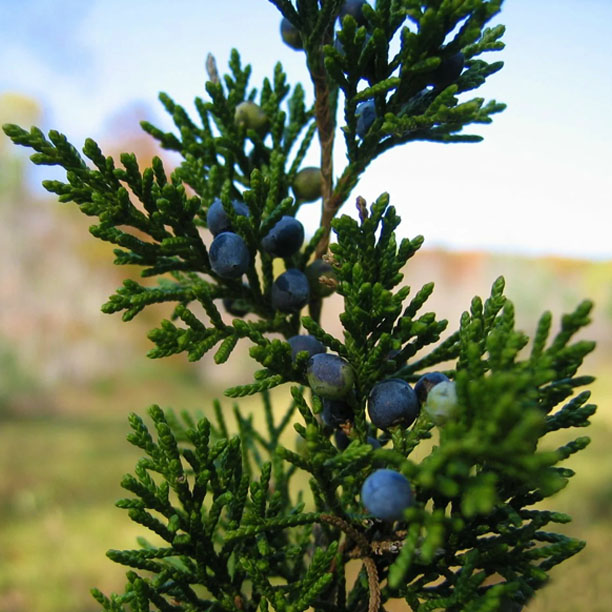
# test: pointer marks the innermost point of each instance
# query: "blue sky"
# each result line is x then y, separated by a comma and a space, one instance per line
541, 182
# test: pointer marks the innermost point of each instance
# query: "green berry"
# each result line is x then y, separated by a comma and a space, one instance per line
251, 116
441, 404
307, 184
291, 35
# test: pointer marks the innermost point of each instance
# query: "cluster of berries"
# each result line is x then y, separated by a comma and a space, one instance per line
229, 255
230, 258
392, 403
447, 72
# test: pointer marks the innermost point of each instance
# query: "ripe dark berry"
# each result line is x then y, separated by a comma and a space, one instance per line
354, 8
251, 116
366, 115
307, 184
217, 219
336, 412
330, 376
342, 440
424, 385
290, 291
315, 272
291, 35
307, 343
370, 68
229, 256
392, 402
285, 238
448, 71
386, 494
236, 306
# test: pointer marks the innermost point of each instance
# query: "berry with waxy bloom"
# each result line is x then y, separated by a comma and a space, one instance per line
392, 402
366, 115
218, 220
386, 494
320, 270
285, 238
229, 255
305, 342
448, 71
354, 8
426, 383
330, 376
336, 412
290, 291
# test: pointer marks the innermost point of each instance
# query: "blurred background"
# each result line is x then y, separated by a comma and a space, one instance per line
532, 202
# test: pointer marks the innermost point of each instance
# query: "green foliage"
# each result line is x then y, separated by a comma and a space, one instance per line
246, 522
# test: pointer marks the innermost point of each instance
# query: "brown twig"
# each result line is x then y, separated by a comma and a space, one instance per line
368, 562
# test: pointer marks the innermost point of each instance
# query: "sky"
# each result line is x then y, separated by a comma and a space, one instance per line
540, 183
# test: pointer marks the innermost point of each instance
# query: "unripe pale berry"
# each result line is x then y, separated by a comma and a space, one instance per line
290, 35
290, 291
251, 116
426, 383
285, 238
218, 220
330, 376
305, 342
441, 404
307, 184
386, 494
229, 256
392, 402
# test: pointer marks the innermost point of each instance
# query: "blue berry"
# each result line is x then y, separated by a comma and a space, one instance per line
307, 184
236, 306
330, 376
448, 71
285, 238
336, 412
290, 291
394, 354
354, 8
251, 116
229, 256
366, 115
314, 272
307, 343
342, 440
386, 494
217, 219
424, 385
291, 35
392, 402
